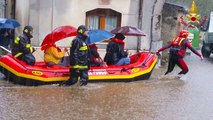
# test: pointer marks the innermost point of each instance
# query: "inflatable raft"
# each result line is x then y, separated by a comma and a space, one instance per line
18, 72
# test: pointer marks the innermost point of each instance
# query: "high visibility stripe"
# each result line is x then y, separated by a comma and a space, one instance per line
31, 49
17, 40
180, 41
70, 44
80, 31
177, 41
18, 54
83, 48
27, 46
78, 66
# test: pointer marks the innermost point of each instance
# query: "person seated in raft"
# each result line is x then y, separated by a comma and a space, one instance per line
95, 59
21, 47
115, 53
53, 55
5, 37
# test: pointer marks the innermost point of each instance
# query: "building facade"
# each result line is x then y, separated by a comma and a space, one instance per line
46, 15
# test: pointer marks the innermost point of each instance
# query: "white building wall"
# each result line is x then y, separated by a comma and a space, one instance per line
146, 23
45, 15
22, 14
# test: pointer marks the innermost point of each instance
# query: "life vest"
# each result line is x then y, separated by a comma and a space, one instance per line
177, 44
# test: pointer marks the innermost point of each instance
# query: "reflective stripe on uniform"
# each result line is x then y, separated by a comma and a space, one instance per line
31, 49
27, 46
18, 54
83, 48
78, 66
70, 44
17, 40
180, 41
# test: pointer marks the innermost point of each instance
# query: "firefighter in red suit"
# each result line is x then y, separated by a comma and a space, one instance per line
177, 52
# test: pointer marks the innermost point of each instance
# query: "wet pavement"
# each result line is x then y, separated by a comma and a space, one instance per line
153, 99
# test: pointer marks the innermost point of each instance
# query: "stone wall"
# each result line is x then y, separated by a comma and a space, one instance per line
170, 17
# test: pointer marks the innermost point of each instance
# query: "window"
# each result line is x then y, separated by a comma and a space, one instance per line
104, 19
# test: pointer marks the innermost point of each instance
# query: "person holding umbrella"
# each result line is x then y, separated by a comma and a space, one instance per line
95, 59
79, 58
94, 36
115, 54
54, 56
5, 37
21, 46
6, 25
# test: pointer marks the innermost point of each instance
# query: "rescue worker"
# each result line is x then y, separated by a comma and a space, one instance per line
115, 54
21, 46
79, 58
177, 52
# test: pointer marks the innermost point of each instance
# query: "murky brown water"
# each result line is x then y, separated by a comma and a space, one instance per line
154, 99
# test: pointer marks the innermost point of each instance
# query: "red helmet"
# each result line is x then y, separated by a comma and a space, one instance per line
184, 33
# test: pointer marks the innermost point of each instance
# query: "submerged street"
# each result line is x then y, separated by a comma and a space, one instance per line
153, 99
41, 40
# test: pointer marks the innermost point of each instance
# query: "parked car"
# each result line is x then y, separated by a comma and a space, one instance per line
207, 47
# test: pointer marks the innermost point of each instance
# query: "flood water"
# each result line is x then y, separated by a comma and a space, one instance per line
153, 99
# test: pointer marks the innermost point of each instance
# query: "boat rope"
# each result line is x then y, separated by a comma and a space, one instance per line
146, 60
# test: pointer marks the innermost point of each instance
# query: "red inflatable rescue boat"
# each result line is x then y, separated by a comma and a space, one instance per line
18, 72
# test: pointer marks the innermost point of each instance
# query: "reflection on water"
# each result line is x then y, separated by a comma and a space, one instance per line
152, 99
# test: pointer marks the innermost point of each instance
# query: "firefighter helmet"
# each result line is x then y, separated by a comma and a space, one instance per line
81, 29
184, 33
28, 31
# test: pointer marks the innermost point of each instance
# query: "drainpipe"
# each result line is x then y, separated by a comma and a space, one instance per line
139, 24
